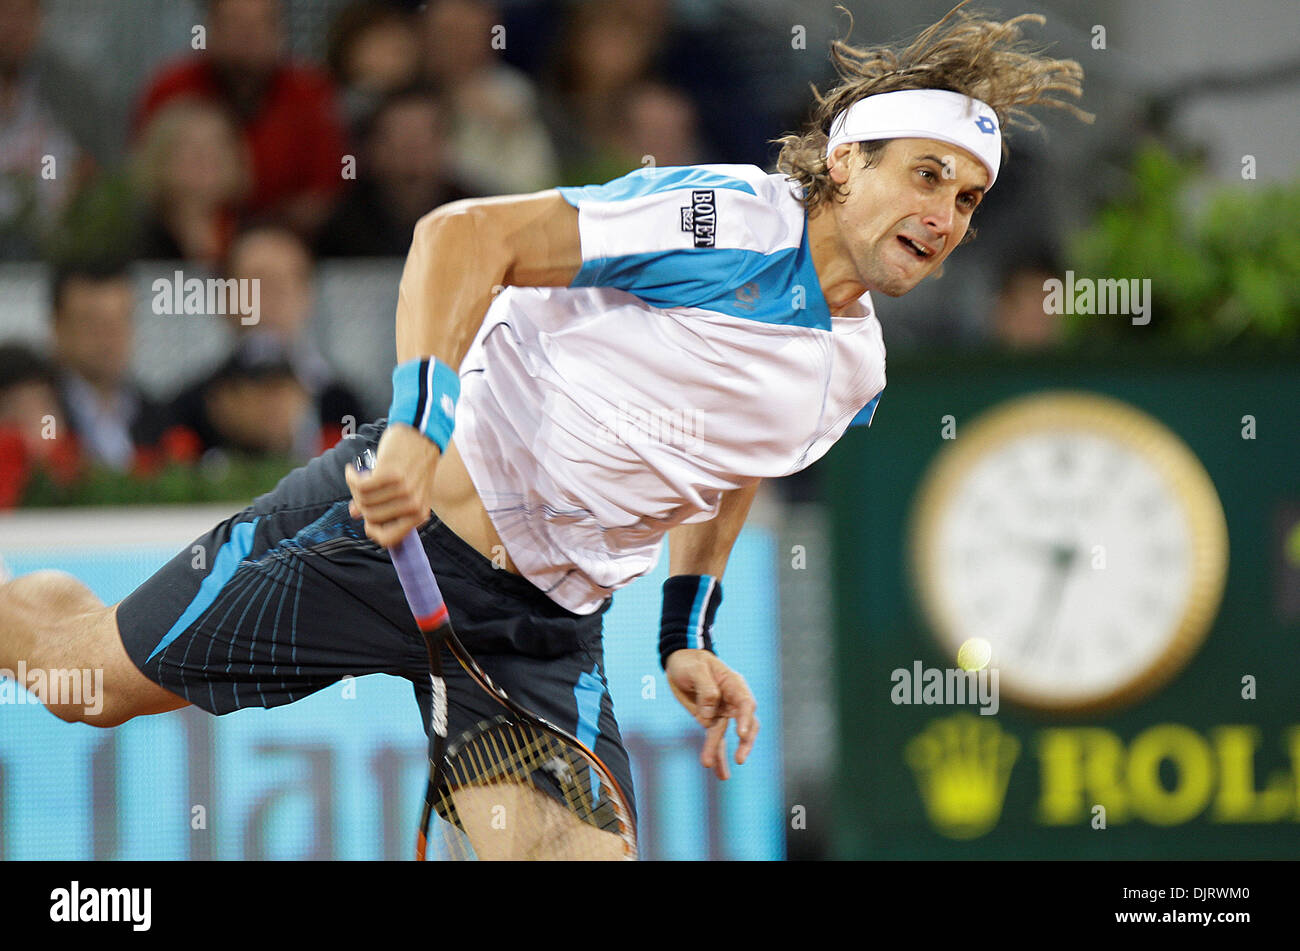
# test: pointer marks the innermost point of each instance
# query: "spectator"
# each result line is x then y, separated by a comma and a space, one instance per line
192, 172
374, 50
662, 123
179, 200
32, 436
276, 393
604, 53
112, 419
287, 113
714, 61
29, 400
403, 174
255, 405
73, 97
1020, 318
41, 162
500, 146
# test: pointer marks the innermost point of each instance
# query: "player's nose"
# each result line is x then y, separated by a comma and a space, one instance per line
938, 215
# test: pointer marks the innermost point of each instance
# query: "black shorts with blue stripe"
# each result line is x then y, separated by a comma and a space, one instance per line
289, 596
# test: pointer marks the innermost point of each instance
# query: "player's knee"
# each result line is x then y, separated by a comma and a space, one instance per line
94, 707
43, 616
108, 719
55, 592
74, 713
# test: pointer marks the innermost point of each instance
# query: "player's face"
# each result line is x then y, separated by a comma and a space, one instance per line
902, 218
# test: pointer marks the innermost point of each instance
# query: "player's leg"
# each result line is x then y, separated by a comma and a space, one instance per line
519, 823
50, 621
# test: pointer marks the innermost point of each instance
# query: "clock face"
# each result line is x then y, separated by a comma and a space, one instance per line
1081, 539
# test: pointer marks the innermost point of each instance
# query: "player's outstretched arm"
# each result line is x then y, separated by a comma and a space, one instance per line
464, 252
712, 692
461, 255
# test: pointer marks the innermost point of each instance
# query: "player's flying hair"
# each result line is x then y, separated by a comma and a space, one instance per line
966, 52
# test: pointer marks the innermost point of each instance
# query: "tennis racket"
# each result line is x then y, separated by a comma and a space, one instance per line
514, 786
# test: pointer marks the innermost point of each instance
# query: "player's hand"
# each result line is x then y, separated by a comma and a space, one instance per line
397, 494
714, 694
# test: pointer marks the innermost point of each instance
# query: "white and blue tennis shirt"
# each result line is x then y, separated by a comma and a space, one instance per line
693, 354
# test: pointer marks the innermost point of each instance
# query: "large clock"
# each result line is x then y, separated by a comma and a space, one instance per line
1081, 539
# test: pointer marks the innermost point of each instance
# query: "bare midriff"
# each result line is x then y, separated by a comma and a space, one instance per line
457, 504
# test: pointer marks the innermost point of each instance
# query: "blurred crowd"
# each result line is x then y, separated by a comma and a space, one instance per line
241, 161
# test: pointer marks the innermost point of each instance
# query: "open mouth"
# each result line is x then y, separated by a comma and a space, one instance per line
920, 250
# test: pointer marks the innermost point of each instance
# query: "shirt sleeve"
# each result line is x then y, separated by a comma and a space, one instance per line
682, 237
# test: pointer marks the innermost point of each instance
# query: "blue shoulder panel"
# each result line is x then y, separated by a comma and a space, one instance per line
777, 288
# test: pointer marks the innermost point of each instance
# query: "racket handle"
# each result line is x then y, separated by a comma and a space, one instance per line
421, 589
413, 570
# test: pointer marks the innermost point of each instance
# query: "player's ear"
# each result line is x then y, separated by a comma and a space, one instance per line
837, 163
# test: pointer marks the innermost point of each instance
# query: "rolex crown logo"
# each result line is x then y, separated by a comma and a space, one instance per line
962, 766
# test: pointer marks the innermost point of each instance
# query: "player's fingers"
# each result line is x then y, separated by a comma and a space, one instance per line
707, 695
738, 702
354, 480
389, 531
371, 491
736, 695
362, 492
708, 750
741, 705
749, 725
388, 534
722, 769
386, 538
391, 511
714, 753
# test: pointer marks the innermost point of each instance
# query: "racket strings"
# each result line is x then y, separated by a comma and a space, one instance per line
515, 791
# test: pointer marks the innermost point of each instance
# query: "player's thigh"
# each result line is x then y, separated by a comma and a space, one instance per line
514, 823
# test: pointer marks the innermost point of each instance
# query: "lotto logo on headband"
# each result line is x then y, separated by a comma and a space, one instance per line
986, 125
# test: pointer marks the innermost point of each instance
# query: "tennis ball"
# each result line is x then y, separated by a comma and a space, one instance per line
974, 654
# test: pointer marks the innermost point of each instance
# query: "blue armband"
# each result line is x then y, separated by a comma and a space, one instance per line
424, 396
690, 602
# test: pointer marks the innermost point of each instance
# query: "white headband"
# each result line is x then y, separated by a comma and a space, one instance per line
923, 114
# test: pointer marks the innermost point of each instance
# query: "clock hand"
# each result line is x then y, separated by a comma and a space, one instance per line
1049, 598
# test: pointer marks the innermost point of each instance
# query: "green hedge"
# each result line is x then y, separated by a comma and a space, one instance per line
1223, 259
235, 479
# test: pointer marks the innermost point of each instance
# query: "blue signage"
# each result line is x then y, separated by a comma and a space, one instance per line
340, 774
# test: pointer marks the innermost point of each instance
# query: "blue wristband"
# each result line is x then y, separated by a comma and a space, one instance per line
690, 602
424, 396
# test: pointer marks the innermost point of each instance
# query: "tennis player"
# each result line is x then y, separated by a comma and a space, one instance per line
546, 344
